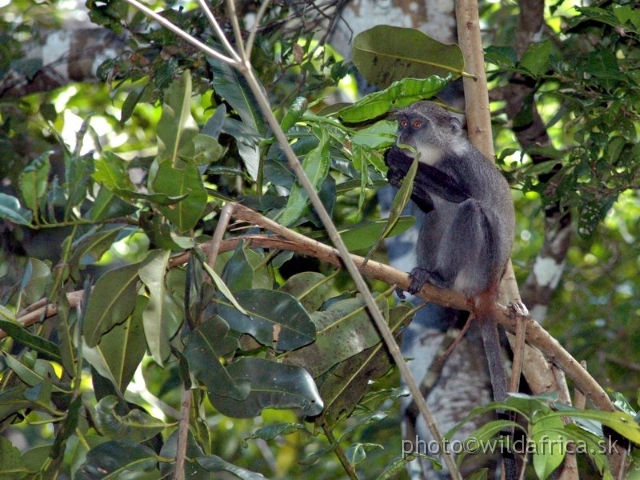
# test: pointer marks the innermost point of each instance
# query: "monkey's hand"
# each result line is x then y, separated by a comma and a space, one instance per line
429, 180
398, 164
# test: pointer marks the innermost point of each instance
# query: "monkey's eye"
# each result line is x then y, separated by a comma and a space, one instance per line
402, 122
416, 124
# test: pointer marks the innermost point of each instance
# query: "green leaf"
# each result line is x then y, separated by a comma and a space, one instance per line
273, 385
35, 285
222, 287
90, 248
111, 302
213, 463
316, 167
123, 347
112, 172
273, 318
298, 107
44, 347
233, 87
33, 375
344, 386
177, 128
536, 58
11, 466
162, 316
401, 93
385, 54
11, 210
274, 430
310, 288
505, 57
204, 347
136, 426
184, 182
119, 459
550, 440
332, 346
34, 180
621, 422
379, 135
364, 235
206, 149
109, 205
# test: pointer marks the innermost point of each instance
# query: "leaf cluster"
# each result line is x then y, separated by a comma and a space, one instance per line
588, 75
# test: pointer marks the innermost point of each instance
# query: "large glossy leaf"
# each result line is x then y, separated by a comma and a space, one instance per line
177, 128
11, 466
109, 205
119, 459
34, 284
621, 422
332, 345
183, 181
135, 426
316, 168
162, 316
550, 440
206, 345
273, 385
385, 54
121, 349
112, 301
310, 288
233, 87
41, 345
379, 135
36, 373
344, 386
11, 210
274, 318
111, 171
398, 95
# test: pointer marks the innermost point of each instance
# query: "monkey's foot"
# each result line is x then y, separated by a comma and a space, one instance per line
518, 309
419, 276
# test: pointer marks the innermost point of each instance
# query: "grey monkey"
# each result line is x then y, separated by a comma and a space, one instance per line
467, 234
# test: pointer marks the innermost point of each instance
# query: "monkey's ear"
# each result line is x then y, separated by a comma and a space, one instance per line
456, 126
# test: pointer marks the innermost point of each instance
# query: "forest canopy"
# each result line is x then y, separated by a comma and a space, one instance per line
172, 304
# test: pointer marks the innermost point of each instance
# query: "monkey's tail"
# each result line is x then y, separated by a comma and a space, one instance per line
485, 312
486, 315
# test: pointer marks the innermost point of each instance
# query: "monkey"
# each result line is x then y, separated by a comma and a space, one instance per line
468, 229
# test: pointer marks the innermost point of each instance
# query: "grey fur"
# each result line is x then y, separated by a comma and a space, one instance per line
466, 238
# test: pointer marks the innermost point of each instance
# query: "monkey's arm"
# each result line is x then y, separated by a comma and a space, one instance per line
428, 181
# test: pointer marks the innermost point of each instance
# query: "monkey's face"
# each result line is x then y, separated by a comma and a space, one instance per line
416, 131
410, 130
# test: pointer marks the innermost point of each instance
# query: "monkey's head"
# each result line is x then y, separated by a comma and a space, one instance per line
428, 128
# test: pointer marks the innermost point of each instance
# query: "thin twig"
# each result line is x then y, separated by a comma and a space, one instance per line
219, 33
181, 33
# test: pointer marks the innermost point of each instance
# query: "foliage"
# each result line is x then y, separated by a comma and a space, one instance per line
588, 73
247, 332
256, 330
